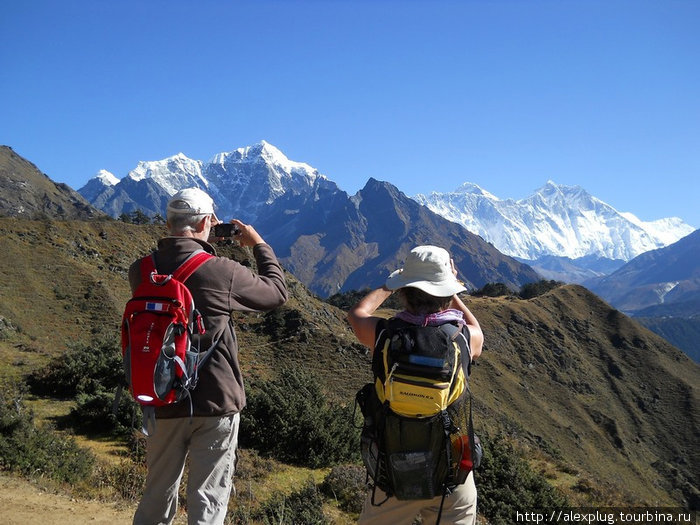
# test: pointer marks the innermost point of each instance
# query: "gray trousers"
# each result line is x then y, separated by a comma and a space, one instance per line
211, 444
459, 508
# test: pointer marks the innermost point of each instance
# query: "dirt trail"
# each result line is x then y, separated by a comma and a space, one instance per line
23, 503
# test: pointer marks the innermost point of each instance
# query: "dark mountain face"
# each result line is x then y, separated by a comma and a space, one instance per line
666, 276
28, 193
662, 288
333, 242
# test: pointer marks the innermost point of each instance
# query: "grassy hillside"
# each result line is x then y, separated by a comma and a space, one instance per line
66, 281
607, 409
28, 193
594, 389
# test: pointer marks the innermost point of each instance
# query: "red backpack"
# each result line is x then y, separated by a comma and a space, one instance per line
160, 363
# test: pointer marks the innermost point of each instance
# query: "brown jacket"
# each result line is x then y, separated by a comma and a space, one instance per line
219, 287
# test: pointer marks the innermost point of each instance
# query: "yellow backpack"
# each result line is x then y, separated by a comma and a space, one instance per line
417, 412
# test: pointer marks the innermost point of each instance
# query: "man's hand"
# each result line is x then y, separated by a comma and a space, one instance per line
246, 236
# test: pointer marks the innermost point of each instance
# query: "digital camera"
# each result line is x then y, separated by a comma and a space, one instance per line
225, 230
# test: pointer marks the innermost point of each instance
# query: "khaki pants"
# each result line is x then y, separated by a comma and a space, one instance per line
459, 508
211, 444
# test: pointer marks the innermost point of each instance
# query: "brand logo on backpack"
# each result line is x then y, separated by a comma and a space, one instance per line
417, 415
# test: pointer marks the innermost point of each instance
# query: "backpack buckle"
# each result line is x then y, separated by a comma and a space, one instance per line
159, 280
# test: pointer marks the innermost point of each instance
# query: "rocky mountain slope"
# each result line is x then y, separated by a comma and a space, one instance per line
26, 192
563, 232
608, 408
332, 242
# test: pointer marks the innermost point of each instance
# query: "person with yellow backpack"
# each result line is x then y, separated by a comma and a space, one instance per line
418, 442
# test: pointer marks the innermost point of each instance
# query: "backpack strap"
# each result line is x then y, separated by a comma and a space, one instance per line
148, 266
182, 272
457, 334
194, 261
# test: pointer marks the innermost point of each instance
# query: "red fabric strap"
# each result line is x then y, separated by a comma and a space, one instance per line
182, 273
190, 265
147, 267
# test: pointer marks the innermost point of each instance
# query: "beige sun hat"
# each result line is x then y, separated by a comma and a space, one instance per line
427, 268
191, 201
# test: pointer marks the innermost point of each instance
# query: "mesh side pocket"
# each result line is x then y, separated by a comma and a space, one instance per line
412, 475
165, 373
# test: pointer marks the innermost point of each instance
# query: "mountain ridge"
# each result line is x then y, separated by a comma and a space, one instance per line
562, 232
660, 288
331, 240
556, 220
27, 192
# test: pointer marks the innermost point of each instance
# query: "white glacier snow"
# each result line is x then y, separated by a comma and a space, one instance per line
107, 178
558, 220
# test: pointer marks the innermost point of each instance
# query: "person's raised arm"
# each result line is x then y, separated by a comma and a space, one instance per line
361, 316
476, 336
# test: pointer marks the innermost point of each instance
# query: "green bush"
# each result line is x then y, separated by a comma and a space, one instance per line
83, 369
493, 290
507, 484
291, 420
347, 484
303, 506
530, 290
42, 451
90, 373
96, 413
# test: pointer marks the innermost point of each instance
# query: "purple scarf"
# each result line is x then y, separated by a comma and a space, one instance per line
435, 319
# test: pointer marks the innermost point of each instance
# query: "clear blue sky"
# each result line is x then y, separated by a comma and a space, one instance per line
604, 94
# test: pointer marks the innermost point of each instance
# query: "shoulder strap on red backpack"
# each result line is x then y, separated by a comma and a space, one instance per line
194, 261
183, 272
148, 266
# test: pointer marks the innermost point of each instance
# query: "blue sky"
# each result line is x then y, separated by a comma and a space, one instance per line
604, 94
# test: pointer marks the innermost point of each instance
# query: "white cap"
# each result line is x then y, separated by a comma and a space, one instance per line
191, 201
427, 268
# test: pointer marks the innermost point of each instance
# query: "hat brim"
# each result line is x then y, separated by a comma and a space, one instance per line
445, 288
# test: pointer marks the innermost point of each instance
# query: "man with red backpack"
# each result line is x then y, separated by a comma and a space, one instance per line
206, 426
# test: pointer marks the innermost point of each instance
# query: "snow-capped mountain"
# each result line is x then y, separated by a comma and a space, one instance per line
171, 174
326, 238
104, 179
240, 182
561, 231
247, 179
563, 221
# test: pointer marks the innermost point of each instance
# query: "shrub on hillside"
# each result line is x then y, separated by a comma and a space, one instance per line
84, 368
530, 290
291, 420
507, 484
104, 413
302, 506
42, 451
493, 290
91, 373
347, 484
